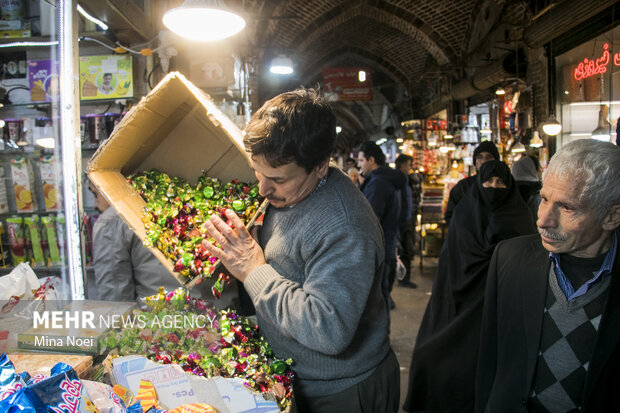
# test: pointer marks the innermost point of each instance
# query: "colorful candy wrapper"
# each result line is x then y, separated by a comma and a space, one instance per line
24, 401
123, 392
63, 391
104, 398
10, 381
194, 408
147, 395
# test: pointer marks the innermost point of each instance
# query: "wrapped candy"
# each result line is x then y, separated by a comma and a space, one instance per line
224, 344
175, 214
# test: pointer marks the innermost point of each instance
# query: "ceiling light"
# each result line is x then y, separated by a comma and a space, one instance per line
338, 129
518, 147
361, 76
552, 127
601, 132
281, 65
91, 18
500, 91
536, 142
203, 20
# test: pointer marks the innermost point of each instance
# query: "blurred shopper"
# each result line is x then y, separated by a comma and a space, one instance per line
406, 225
354, 174
550, 337
315, 272
443, 366
526, 172
486, 151
383, 188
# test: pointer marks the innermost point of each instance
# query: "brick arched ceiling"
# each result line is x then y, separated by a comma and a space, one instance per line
400, 40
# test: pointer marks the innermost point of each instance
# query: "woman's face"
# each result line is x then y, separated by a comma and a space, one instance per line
494, 182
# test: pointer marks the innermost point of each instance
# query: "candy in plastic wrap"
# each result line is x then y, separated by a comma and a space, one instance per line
24, 401
10, 381
63, 392
147, 395
194, 408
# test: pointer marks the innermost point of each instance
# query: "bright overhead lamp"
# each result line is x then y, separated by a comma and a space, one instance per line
518, 147
552, 127
601, 132
281, 65
536, 142
500, 91
203, 20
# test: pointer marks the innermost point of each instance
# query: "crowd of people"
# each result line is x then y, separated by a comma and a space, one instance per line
524, 311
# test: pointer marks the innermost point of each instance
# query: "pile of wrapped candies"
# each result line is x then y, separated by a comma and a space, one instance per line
220, 343
176, 212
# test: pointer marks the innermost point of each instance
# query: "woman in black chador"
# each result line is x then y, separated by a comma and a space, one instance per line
443, 366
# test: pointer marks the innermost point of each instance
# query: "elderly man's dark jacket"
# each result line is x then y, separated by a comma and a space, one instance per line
511, 330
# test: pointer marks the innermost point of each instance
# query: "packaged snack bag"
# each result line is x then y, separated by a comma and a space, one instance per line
32, 229
4, 202
63, 391
51, 240
16, 239
10, 381
49, 179
21, 173
5, 256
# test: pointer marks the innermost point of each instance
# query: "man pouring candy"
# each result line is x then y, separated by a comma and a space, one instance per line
314, 272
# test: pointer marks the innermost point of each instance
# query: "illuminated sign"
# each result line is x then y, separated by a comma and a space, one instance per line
592, 67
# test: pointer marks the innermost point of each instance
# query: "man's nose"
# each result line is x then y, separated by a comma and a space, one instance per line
546, 216
264, 188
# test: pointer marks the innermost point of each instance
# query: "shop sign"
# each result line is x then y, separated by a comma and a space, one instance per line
343, 84
592, 67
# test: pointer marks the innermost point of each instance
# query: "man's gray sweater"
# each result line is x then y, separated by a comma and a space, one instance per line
318, 299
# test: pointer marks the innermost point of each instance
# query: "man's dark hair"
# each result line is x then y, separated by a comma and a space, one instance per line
402, 159
297, 126
370, 148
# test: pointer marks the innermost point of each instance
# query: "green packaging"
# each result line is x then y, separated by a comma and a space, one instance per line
16, 239
32, 226
49, 228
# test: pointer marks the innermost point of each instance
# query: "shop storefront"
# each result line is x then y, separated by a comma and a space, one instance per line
588, 88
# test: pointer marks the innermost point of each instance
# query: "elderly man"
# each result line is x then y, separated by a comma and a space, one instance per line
550, 337
314, 274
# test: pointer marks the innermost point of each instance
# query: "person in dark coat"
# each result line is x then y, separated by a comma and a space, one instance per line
444, 358
526, 173
383, 188
550, 338
486, 151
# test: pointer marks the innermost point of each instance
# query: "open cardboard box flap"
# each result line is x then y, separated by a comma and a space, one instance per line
176, 129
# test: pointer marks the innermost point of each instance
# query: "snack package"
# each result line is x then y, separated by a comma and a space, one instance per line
64, 391
5, 253
49, 179
32, 229
10, 381
4, 202
21, 173
104, 399
16, 239
23, 401
50, 239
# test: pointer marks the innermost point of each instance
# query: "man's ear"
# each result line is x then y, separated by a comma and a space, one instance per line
612, 219
322, 169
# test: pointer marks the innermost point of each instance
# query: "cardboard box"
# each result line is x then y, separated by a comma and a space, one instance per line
176, 129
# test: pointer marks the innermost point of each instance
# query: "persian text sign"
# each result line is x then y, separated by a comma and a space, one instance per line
591, 67
343, 83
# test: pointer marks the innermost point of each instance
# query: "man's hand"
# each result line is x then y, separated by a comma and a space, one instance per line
238, 251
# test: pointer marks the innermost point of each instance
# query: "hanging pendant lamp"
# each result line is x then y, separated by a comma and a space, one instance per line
203, 20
